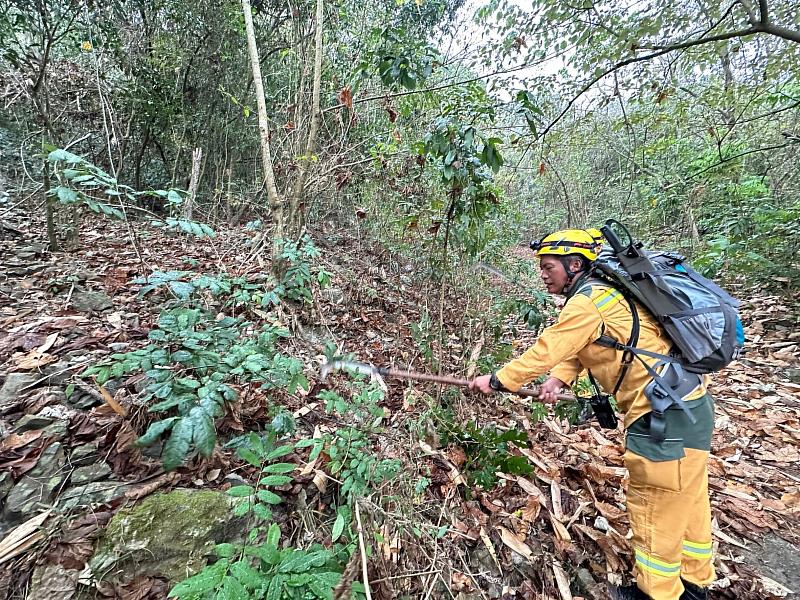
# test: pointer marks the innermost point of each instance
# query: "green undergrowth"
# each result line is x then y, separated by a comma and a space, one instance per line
214, 336
263, 567
197, 357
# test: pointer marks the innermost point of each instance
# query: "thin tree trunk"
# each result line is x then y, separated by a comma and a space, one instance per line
296, 208
137, 163
276, 205
729, 102
194, 180
49, 208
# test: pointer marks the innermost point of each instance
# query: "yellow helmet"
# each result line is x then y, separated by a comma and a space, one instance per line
597, 236
567, 241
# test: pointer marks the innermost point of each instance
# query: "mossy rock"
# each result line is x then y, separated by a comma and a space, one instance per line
170, 535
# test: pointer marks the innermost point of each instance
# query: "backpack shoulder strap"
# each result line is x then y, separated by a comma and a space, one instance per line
629, 350
604, 301
628, 353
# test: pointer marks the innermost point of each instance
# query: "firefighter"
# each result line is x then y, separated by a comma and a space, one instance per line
667, 496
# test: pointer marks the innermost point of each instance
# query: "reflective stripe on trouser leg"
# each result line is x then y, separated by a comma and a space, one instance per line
646, 562
663, 498
697, 550
697, 565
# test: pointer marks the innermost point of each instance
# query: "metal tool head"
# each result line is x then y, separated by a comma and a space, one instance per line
348, 365
353, 367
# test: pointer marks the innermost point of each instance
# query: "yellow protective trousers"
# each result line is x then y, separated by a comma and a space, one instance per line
668, 504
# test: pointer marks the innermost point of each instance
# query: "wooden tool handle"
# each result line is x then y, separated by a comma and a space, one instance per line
532, 392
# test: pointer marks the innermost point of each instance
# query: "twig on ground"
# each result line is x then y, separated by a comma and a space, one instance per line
363, 553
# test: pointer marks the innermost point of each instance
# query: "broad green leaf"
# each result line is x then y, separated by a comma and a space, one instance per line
249, 456
246, 574
177, 446
316, 451
232, 590
206, 580
268, 497
174, 197
302, 561
262, 511
225, 550
323, 583
64, 156
181, 356
188, 382
275, 589
66, 195
155, 431
279, 468
269, 555
338, 528
103, 375
299, 580
163, 391
204, 435
273, 535
181, 289
279, 452
240, 491
242, 508
273, 480
164, 404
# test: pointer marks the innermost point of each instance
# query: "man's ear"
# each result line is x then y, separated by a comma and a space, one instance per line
575, 265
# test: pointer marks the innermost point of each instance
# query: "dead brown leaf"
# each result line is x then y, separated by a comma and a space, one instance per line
459, 582
22, 537
116, 406
513, 542
33, 360
18, 440
346, 97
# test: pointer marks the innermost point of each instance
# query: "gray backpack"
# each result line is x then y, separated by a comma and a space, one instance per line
700, 318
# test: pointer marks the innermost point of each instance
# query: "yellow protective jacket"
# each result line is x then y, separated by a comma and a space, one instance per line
566, 348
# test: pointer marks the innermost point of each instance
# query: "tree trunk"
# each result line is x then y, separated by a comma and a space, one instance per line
137, 163
49, 208
296, 207
729, 103
275, 202
194, 180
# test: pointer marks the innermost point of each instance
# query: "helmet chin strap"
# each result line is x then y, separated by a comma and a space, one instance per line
569, 272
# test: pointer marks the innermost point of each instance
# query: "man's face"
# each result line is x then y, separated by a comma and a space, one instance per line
553, 274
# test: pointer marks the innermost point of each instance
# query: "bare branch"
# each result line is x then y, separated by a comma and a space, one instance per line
770, 113
725, 159
763, 23
707, 40
763, 9
781, 32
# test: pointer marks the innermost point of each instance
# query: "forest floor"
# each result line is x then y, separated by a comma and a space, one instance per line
561, 531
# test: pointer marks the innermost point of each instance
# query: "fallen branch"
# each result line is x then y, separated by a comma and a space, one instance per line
363, 553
